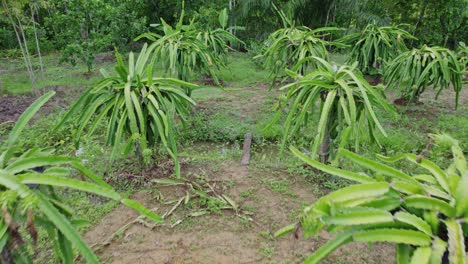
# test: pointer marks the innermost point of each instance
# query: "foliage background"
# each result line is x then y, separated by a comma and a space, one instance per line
60, 23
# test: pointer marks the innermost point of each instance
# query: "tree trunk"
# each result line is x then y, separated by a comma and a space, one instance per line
325, 147
18, 38
28, 57
37, 42
328, 13
328, 19
230, 22
421, 16
6, 256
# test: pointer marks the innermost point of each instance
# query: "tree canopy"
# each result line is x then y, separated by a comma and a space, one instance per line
433, 22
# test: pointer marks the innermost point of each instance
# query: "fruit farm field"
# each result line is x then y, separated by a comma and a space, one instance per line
223, 131
267, 194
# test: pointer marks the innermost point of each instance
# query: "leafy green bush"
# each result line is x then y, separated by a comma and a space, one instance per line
28, 200
139, 107
375, 46
462, 53
347, 103
425, 213
413, 71
288, 45
185, 50
217, 39
84, 51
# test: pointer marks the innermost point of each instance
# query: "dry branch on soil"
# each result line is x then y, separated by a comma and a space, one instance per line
202, 190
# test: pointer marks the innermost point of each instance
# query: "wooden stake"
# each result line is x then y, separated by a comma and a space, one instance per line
246, 149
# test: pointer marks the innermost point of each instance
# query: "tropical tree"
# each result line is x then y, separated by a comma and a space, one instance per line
413, 71
29, 201
424, 214
290, 44
85, 30
14, 12
375, 46
139, 107
346, 106
34, 6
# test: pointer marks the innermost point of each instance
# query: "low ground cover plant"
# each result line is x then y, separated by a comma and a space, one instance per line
140, 109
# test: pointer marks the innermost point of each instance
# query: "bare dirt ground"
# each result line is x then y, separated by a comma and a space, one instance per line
225, 237
445, 100
268, 199
12, 106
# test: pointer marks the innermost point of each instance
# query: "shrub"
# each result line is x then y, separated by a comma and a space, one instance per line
413, 71
217, 39
376, 46
139, 107
184, 50
288, 45
424, 213
342, 98
462, 52
28, 200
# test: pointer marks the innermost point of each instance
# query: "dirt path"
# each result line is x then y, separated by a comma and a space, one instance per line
268, 199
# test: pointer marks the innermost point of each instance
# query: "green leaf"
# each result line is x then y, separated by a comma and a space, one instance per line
36, 178
421, 255
142, 210
3, 235
88, 173
384, 203
285, 230
331, 170
26, 116
415, 221
66, 250
438, 249
403, 252
65, 227
323, 122
377, 167
34, 162
358, 191
430, 203
438, 173
407, 188
402, 236
329, 247
359, 216
223, 18
456, 242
